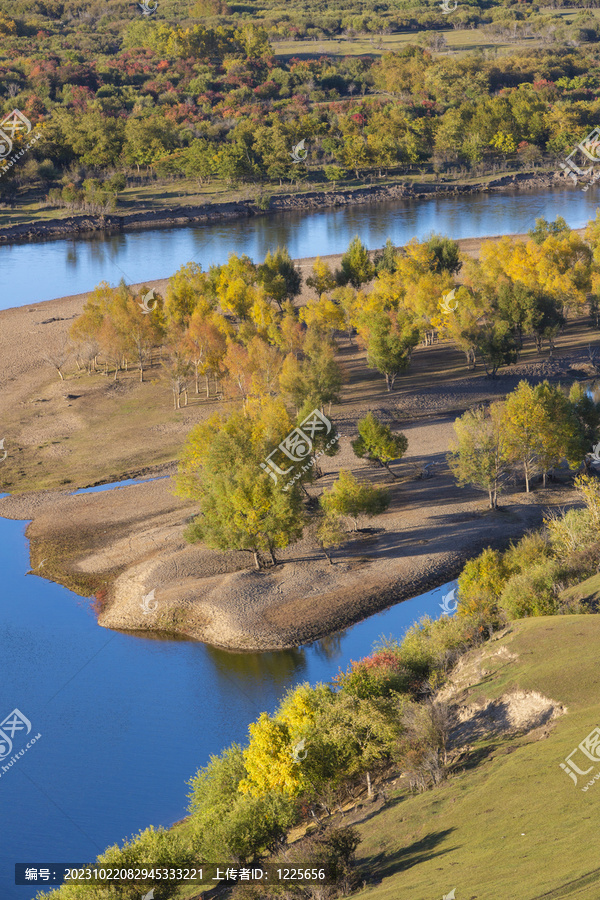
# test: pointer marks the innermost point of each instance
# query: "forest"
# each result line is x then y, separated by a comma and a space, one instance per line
122, 100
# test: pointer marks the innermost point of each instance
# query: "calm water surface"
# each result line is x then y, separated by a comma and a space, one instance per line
125, 721
41, 271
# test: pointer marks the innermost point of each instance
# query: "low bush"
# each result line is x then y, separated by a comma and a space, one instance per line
532, 592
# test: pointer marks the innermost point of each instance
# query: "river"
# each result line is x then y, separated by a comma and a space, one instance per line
72, 266
125, 720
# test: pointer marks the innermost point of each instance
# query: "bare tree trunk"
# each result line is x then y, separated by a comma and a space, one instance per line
369, 787
256, 559
327, 555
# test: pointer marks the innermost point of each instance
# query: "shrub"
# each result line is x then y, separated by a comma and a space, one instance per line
377, 675
431, 646
480, 584
570, 532
532, 592
532, 549
424, 747
333, 851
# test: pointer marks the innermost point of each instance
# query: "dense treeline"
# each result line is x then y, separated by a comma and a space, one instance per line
209, 101
236, 328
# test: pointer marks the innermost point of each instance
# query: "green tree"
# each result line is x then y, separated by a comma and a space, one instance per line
446, 254
377, 442
496, 346
480, 456
279, 276
386, 260
349, 497
241, 506
587, 412
390, 340
356, 264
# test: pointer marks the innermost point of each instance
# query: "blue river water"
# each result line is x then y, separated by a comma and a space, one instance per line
124, 720
75, 265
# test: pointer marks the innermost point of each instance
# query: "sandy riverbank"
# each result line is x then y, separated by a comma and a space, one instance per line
127, 544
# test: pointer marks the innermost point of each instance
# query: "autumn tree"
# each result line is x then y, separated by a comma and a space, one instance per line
321, 278
541, 429
377, 442
184, 291
279, 276
205, 345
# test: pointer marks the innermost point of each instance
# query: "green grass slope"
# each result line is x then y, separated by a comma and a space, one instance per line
509, 824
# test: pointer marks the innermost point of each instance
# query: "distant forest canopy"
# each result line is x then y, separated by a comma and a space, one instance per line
205, 98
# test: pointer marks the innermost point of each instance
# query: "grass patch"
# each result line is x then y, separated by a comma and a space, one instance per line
514, 826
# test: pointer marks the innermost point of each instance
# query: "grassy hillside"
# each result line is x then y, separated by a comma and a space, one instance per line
510, 825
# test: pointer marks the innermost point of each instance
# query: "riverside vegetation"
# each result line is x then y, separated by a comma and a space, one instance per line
235, 332
197, 98
384, 716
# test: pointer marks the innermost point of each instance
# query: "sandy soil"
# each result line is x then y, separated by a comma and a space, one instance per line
127, 547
